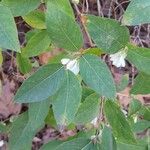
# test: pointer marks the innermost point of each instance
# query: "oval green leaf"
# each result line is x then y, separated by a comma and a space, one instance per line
62, 28
141, 125
108, 140
75, 144
42, 84
21, 7
140, 57
88, 110
26, 125
8, 30
134, 106
122, 146
107, 34
36, 19
120, 127
37, 44
141, 85
137, 13
67, 99
23, 63
96, 75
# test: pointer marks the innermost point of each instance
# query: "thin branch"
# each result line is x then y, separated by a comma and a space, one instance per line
82, 21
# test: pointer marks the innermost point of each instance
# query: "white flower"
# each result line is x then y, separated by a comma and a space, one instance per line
71, 65
75, 1
65, 61
118, 59
124, 112
99, 136
94, 121
12, 118
1, 143
93, 137
135, 119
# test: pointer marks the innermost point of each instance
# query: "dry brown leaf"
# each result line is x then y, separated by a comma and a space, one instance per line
7, 106
125, 98
45, 57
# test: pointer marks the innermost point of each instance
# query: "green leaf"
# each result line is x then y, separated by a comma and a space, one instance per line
145, 112
108, 141
134, 106
142, 84
118, 122
20, 131
91, 146
140, 57
26, 126
123, 83
37, 44
36, 19
51, 145
8, 30
86, 92
42, 84
62, 28
107, 34
50, 119
95, 51
38, 112
97, 76
137, 13
75, 144
88, 110
86, 133
3, 128
23, 140
31, 33
141, 125
23, 63
21, 7
144, 141
65, 6
66, 101
57, 58
122, 146
1, 58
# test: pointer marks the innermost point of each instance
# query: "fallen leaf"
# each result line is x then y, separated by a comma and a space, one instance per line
7, 105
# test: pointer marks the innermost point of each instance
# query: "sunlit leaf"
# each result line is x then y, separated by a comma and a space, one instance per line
36, 19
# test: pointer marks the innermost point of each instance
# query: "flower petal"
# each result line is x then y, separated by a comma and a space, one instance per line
1, 143
118, 59
64, 61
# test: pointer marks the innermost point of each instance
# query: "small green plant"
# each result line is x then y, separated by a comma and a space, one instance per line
77, 87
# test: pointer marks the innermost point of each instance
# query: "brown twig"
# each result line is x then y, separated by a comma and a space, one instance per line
82, 19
